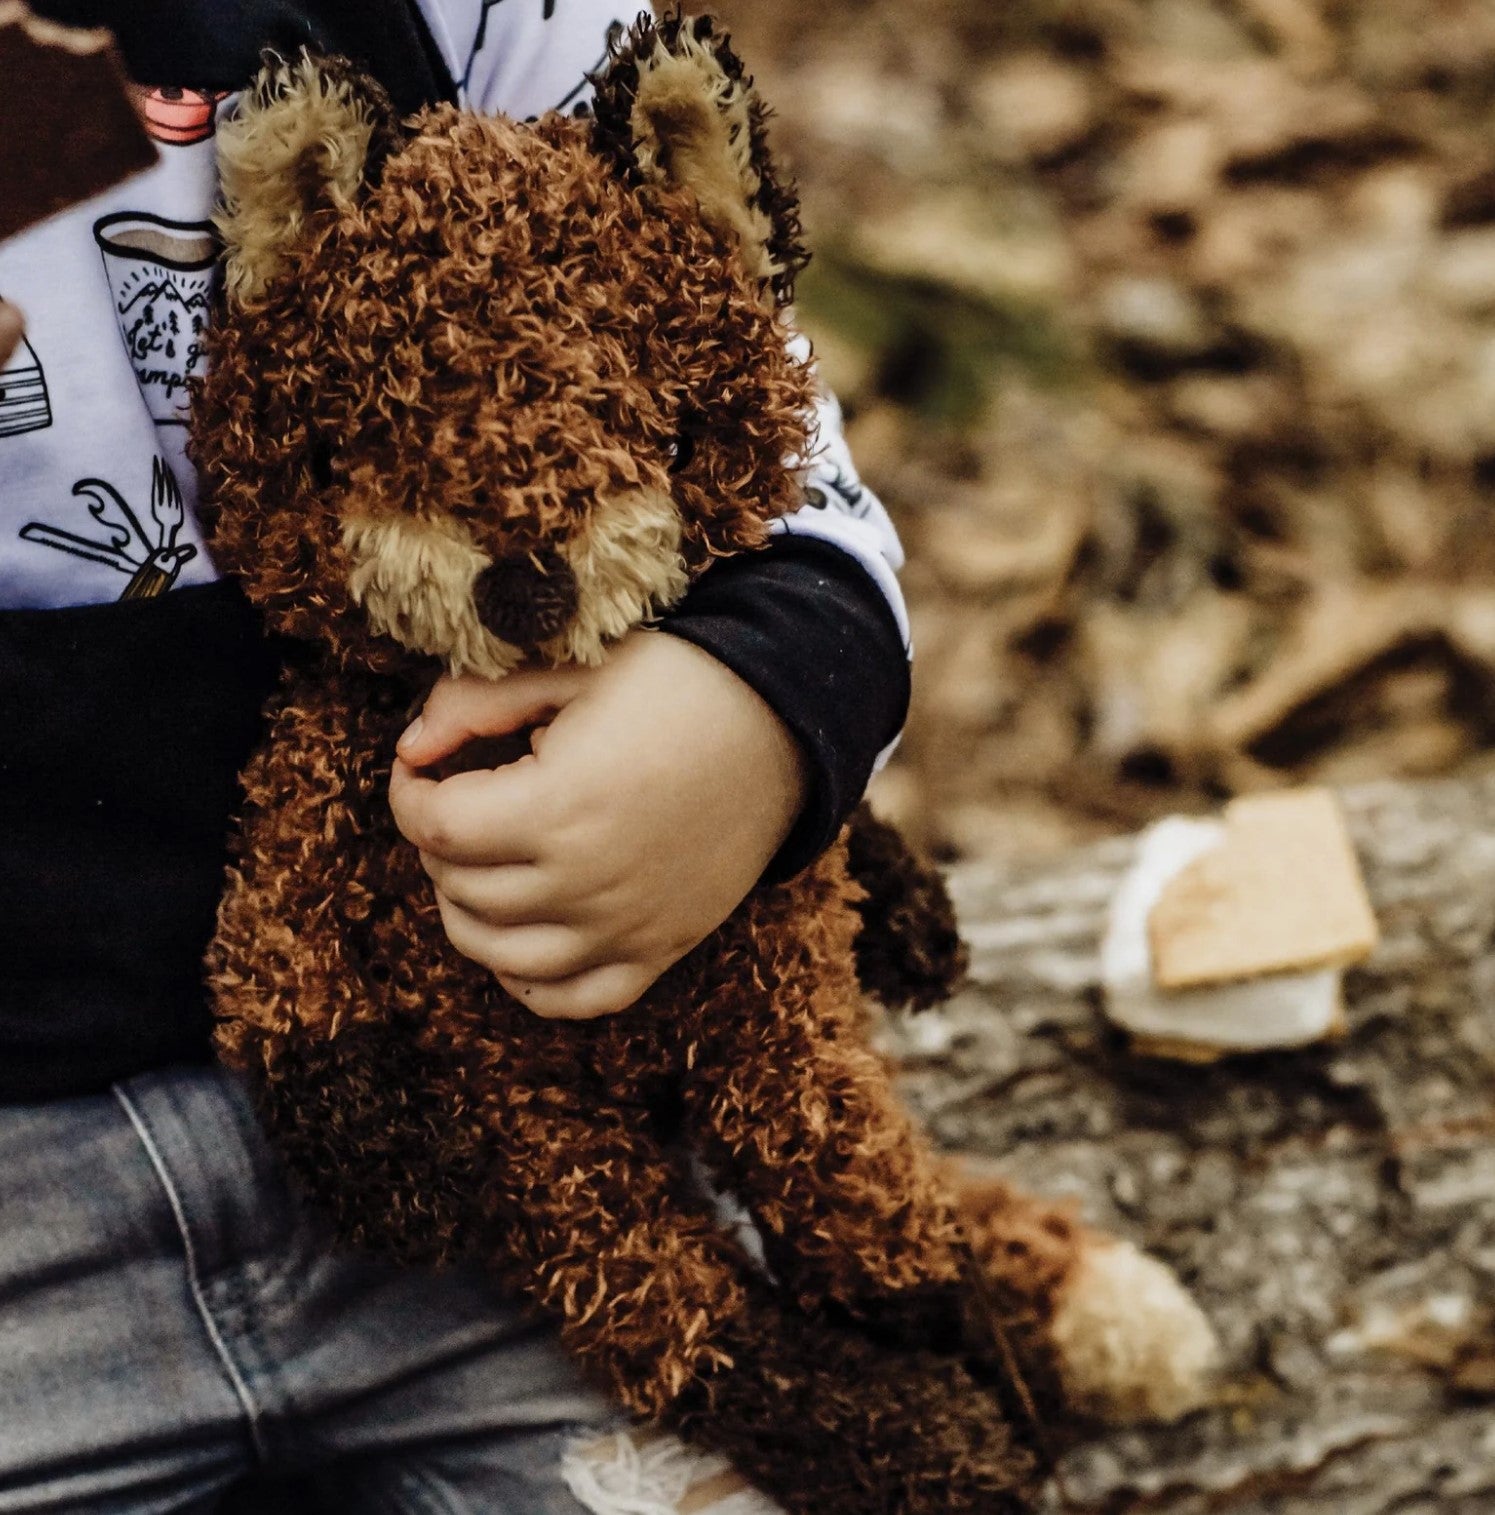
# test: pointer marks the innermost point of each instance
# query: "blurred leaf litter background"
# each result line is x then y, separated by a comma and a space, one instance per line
1167, 332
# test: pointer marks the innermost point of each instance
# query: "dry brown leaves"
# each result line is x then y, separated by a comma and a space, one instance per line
1168, 332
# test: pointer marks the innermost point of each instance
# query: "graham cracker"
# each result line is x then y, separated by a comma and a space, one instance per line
1283, 893
68, 128
1178, 1049
1175, 1050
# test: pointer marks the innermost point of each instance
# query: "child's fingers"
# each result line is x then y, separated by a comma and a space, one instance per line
539, 955
483, 819
607, 990
508, 895
12, 329
460, 709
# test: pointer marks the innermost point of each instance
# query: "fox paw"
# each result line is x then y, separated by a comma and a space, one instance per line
1132, 1344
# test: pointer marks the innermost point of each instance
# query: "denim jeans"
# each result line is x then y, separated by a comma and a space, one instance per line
171, 1322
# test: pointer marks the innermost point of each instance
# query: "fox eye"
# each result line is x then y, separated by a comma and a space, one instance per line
683, 448
319, 462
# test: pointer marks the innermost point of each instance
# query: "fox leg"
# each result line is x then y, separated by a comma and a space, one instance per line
596, 1222
1123, 1338
796, 1117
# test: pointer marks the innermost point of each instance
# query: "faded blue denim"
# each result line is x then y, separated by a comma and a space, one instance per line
171, 1321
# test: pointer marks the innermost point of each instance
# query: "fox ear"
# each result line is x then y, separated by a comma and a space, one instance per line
307, 134
675, 106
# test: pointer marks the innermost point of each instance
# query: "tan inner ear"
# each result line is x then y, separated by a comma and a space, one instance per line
692, 126
299, 141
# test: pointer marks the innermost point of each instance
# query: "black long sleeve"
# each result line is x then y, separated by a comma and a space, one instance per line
803, 624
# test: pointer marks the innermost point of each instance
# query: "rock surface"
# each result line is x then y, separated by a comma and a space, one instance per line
1333, 1209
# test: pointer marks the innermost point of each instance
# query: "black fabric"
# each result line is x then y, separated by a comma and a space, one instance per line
125, 728
216, 44
804, 625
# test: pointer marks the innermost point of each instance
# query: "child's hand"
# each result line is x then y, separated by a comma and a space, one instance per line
659, 790
12, 329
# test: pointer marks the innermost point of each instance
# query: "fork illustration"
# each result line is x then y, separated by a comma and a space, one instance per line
153, 561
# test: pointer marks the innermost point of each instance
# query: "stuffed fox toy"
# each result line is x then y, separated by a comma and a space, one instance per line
488, 393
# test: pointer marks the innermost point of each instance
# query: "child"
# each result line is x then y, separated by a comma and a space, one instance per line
169, 1320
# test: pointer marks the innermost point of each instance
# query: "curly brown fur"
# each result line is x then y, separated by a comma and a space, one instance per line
909, 951
485, 359
942, 1444
615, 128
437, 1118
527, 426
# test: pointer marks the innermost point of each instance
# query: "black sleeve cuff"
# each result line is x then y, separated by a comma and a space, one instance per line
805, 626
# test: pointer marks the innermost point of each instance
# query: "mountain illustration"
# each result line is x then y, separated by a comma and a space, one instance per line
145, 291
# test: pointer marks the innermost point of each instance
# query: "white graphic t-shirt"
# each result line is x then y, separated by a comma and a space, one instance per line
97, 498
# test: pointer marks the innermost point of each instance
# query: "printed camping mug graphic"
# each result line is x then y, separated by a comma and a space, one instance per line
161, 274
24, 402
153, 559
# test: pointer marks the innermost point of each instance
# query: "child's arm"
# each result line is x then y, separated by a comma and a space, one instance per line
667, 781
658, 793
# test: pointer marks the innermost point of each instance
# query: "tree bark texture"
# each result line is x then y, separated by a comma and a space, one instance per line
1333, 1208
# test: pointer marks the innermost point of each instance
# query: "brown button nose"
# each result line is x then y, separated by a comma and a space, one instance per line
526, 599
